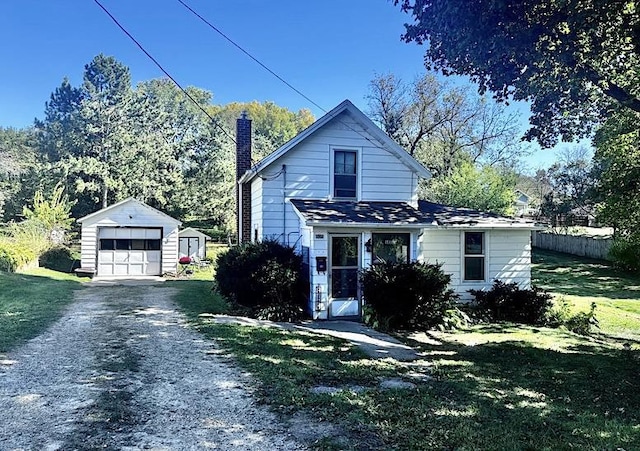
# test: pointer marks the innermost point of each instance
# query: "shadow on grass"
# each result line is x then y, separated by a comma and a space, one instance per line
29, 304
579, 276
512, 395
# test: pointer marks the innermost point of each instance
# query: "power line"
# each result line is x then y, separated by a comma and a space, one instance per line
217, 30
265, 67
184, 91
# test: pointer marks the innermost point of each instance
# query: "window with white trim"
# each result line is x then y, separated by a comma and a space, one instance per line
474, 256
345, 174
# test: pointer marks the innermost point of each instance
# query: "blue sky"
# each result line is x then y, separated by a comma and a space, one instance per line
328, 49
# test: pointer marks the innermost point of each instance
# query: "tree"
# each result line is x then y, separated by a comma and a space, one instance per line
617, 161
18, 162
52, 213
85, 130
571, 182
574, 60
484, 188
443, 126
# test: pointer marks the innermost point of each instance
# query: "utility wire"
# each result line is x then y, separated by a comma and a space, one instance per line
184, 91
232, 42
264, 66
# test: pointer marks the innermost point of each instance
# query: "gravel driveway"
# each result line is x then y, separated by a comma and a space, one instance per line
121, 371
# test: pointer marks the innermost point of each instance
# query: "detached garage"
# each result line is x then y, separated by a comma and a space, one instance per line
129, 239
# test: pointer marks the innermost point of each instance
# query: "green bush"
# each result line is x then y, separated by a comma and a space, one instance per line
508, 302
583, 323
14, 254
625, 254
406, 295
262, 275
59, 258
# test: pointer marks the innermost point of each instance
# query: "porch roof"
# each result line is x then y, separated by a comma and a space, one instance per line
394, 214
318, 212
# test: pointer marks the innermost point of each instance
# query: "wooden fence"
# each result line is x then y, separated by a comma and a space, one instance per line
582, 245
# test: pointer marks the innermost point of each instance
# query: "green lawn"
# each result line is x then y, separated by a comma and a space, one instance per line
583, 281
30, 301
496, 387
492, 387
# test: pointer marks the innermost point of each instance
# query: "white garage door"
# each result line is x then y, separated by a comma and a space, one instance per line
129, 251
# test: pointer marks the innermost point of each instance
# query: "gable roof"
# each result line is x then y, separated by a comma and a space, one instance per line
192, 230
381, 138
400, 214
122, 203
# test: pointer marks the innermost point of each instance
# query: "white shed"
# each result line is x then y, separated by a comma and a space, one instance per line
193, 243
128, 239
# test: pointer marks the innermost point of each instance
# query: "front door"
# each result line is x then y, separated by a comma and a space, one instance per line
344, 264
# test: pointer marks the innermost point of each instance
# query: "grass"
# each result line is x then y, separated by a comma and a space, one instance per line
493, 387
582, 281
30, 301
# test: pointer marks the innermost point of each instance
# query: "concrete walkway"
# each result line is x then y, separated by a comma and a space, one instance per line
375, 344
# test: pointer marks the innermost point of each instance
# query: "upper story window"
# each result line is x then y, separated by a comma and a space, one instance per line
345, 178
474, 256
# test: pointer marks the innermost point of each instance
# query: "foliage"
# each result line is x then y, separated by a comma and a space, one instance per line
406, 295
455, 319
509, 302
625, 253
281, 312
582, 323
17, 162
485, 189
570, 181
108, 141
443, 126
59, 258
261, 275
15, 254
575, 60
54, 213
617, 159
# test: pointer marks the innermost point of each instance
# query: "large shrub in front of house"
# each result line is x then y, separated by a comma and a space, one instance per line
266, 277
14, 254
509, 302
406, 295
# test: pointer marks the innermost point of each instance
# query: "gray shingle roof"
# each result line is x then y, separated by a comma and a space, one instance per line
399, 213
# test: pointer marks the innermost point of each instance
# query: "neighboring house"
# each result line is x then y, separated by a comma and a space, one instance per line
129, 239
193, 243
346, 195
523, 204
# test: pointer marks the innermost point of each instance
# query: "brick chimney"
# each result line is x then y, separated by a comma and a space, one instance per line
243, 164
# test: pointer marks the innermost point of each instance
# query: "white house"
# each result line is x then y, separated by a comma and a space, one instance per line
193, 243
129, 239
346, 195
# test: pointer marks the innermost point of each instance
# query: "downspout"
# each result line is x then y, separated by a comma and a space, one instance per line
285, 239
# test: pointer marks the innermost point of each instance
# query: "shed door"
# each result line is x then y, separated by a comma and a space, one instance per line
129, 251
189, 247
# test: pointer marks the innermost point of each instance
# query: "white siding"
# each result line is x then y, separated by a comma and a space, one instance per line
130, 214
442, 246
382, 177
202, 242
256, 207
508, 257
